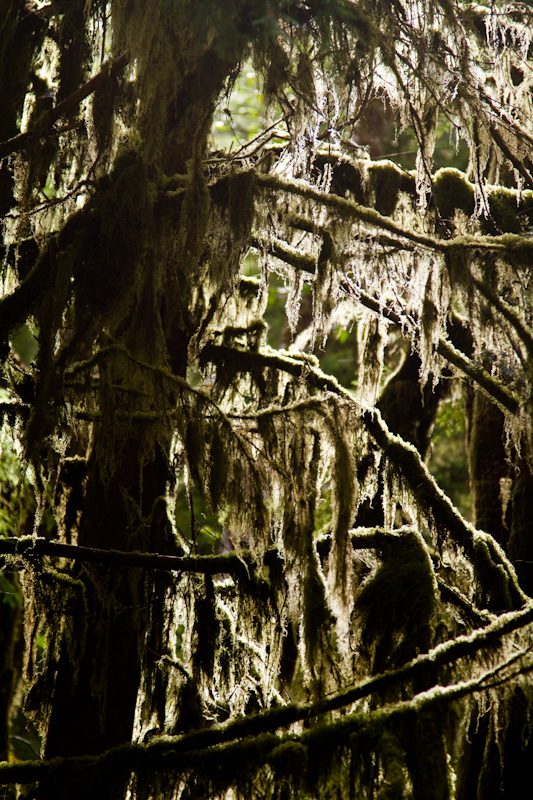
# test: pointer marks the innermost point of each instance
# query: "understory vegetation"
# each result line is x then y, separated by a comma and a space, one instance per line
246, 554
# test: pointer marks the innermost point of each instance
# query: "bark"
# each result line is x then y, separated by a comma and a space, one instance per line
488, 466
10, 632
95, 696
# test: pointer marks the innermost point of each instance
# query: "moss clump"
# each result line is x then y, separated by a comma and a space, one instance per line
504, 213
289, 759
395, 606
386, 180
453, 192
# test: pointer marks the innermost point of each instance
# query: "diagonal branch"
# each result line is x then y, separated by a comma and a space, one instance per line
524, 331
505, 243
253, 735
492, 387
402, 454
68, 104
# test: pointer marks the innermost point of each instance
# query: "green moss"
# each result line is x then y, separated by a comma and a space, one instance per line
289, 759
395, 607
392, 759
492, 581
386, 180
504, 213
453, 192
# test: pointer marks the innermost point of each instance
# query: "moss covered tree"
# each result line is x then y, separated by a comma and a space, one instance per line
350, 634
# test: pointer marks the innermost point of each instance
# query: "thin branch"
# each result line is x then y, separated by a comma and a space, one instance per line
29, 548
524, 332
283, 251
492, 387
350, 208
68, 104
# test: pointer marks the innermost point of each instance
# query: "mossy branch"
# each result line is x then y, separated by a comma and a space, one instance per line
349, 208
402, 454
29, 548
250, 739
492, 387
524, 331
503, 244
430, 496
508, 153
283, 251
238, 566
248, 359
67, 105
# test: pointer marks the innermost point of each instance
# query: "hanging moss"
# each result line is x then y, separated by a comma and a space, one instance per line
396, 604
153, 375
392, 758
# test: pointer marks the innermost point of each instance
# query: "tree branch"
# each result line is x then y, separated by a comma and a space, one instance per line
493, 388
350, 208
431, 497
402, 454
524, 332
507, 242
254, 732
29, 548
68, 104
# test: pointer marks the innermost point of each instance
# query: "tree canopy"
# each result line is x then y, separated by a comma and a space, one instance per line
238, 573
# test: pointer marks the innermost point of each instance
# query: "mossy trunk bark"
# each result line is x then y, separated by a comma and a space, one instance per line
95, 694
496, 749
488, 466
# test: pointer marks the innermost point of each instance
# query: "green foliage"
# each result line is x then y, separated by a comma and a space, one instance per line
25, 344
9, 594
448, 458
241, 116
